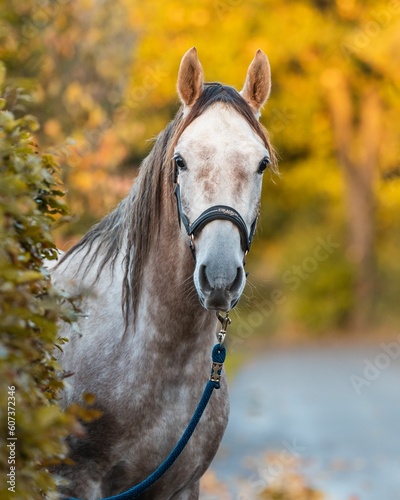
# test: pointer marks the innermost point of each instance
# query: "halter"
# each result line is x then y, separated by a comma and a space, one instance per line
216, 212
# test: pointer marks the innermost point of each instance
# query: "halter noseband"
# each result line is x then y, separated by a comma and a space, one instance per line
216, 212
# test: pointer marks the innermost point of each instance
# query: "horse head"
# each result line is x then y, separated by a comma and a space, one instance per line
219, 159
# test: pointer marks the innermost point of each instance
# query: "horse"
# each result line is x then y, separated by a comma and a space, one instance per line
143, 342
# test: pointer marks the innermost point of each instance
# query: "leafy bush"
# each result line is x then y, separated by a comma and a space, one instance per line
29, 307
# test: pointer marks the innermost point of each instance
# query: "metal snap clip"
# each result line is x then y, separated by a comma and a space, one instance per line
225, 321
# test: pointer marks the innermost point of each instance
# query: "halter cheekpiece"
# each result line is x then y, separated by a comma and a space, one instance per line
216, 212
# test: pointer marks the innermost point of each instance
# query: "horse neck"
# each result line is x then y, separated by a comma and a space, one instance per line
170, 311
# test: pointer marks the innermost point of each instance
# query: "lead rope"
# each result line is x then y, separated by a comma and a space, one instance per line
218, 358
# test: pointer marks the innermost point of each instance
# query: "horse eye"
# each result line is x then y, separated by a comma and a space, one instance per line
180, 162
263, 164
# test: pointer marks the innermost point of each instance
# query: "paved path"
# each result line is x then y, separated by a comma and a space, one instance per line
309, 407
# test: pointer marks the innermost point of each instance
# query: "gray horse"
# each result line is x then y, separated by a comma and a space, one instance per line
145, 339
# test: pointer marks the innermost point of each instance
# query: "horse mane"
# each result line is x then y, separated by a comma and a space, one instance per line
134, 224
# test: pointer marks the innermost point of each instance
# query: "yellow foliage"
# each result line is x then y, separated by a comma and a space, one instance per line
52, 129
107, 76
74, 92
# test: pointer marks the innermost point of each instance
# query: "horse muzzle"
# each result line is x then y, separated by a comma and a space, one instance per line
219, 275
220, 291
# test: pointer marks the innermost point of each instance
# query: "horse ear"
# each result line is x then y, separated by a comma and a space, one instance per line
190, 78
258, 82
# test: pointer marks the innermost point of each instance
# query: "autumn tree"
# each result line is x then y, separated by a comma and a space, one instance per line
105, 75
73, 57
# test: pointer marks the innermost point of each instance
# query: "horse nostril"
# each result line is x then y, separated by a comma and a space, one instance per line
204, 283
237, 282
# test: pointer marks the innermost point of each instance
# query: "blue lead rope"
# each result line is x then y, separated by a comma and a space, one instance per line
218, 358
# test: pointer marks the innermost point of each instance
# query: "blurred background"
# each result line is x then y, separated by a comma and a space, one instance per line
324, 266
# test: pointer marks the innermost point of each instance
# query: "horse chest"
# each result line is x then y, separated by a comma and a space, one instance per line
154, 429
